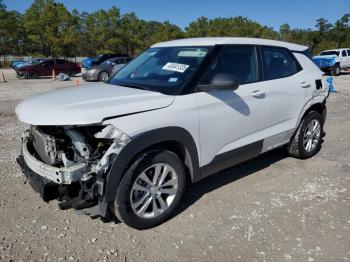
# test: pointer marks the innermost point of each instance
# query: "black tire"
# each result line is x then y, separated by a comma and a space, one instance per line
122, 208
71, 73
32, 75
103, 76
336, 70
296, 147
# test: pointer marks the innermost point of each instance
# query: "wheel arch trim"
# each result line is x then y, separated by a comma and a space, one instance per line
141, 143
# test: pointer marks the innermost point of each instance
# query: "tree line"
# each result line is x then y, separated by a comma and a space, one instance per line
47, 28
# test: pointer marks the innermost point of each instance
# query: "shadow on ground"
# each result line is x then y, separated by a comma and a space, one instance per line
213, 182
196, 191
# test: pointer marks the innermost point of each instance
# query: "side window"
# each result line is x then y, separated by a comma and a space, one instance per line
348, 52
240, 61
119, 61
47, 63
60, 61
278, 63
343, 53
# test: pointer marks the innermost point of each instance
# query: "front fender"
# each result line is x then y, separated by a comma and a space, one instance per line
138, 144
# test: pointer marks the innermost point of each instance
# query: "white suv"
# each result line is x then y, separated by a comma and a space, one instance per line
177, 113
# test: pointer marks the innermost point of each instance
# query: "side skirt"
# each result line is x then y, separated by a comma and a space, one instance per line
231, 158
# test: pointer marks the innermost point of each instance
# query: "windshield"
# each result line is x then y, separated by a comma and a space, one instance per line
330, 53
34, 61
109, 61
164, 70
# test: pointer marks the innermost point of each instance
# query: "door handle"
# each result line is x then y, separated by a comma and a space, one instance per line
258, 94
305, 85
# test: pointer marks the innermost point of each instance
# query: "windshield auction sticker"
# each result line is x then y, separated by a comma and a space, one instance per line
176, 67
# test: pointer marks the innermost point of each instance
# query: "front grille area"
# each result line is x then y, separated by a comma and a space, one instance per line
44, 145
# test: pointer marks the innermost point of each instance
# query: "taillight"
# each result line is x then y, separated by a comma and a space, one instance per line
318, 84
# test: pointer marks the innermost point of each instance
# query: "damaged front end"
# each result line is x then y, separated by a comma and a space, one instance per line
70, 163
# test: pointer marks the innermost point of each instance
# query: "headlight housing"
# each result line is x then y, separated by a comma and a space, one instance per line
91, 71
111, 132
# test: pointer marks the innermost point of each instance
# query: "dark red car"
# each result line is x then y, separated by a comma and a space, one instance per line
45, 68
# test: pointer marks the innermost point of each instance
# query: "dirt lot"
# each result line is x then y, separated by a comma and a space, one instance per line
273, 208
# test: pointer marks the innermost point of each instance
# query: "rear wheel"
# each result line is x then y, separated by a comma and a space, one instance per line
150, 190
308, 138
103, 76
71, 73
336, 70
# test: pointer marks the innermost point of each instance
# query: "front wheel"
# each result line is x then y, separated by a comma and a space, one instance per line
32, 75
150, 190
308, 138
103, 76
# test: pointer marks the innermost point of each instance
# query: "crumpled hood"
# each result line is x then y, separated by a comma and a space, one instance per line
325, 60
88, 104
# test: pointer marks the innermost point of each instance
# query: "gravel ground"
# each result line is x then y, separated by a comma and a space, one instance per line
273, 208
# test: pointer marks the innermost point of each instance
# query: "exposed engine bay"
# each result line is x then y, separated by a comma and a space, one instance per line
70, 163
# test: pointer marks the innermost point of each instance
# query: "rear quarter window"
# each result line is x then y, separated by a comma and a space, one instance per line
278, 63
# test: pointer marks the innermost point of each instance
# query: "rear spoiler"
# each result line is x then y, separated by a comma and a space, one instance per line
306, 52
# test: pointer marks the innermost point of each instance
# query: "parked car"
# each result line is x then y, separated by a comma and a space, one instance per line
103, 71
32, 61
333, 61
180, 111
94, 61
46, 66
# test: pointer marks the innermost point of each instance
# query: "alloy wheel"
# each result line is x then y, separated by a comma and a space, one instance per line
104, 76
154, 190
312, 135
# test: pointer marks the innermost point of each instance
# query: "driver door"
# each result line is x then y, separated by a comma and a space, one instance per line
232, 122
47, 67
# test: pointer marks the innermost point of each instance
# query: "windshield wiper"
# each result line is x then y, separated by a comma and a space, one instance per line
134, 86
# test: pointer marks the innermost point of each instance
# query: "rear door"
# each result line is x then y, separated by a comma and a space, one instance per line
288, 87
232, 119
61, 66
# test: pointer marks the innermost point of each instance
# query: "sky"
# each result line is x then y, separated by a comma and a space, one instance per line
272, 13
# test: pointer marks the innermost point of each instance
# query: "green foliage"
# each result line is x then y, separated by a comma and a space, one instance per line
234, 27
48, 28
11, 31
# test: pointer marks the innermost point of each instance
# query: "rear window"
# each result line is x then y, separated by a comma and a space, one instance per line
278, 63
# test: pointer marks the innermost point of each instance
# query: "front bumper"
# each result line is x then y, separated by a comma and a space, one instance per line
90, 77
326, 69
47, 190
63, 184
64, 175
20, 73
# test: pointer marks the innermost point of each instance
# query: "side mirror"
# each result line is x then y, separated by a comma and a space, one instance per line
221, 82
